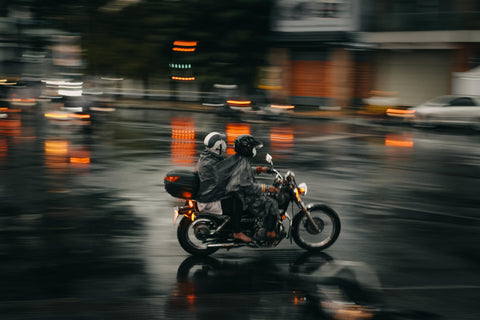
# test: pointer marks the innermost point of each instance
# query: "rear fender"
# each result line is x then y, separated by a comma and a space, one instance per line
215, 217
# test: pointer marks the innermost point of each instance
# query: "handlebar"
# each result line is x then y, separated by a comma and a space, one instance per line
271, 169
278, 176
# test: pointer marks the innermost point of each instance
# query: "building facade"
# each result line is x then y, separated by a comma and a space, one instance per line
335, 53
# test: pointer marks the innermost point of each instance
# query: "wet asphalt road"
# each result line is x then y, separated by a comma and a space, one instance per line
86, 227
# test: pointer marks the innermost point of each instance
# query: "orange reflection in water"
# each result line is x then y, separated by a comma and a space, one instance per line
233, 131
183, 141
10, 127
281, 140
3, 148
80, 158
56, 155
60, 155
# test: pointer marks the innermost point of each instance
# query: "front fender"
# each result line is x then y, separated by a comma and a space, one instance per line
312, 206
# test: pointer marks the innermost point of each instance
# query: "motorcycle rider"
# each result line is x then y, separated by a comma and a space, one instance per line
243, 184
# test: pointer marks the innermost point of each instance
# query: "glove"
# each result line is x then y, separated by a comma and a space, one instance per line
273, 190
264, 169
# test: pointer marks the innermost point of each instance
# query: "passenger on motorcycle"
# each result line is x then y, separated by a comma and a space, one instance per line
215, 151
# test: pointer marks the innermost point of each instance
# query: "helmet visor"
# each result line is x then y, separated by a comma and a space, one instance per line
257, 144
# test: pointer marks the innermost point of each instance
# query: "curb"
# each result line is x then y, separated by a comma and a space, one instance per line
193, 107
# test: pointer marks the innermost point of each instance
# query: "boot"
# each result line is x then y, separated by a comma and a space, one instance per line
241, 236
271, 234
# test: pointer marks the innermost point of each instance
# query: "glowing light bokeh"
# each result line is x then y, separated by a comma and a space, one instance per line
183, 141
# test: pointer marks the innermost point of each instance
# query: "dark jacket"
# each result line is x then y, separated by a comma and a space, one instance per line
234, 176
244, 185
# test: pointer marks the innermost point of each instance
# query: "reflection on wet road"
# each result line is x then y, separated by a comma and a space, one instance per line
86, 228
302, 286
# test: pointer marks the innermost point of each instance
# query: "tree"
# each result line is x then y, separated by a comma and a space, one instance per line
232, 39
136, 41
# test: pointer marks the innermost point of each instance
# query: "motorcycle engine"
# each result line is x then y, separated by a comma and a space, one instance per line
260, 234
283, 201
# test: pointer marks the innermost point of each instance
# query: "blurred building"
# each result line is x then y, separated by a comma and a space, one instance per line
311, 46
30, 52
336, 52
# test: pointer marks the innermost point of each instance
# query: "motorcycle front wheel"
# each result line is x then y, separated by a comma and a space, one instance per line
319, 237
192, 236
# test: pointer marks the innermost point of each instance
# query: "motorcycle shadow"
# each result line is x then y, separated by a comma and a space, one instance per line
309, 285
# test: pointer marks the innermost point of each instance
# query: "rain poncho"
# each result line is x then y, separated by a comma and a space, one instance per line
208, 176
235, 176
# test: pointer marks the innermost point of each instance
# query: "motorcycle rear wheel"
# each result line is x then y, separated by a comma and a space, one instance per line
190, 235
306, 235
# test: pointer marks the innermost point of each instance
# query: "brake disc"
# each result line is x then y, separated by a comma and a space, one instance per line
311, 228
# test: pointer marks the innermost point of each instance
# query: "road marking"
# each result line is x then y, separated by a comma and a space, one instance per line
391, 206
335, 137
440, 287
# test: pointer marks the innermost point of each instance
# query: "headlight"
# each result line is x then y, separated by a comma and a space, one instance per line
290, 175
302, 188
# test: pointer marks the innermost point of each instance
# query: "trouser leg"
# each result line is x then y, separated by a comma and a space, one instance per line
233, 208
270, 221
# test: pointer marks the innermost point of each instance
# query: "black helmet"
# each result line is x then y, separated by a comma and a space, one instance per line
246, 144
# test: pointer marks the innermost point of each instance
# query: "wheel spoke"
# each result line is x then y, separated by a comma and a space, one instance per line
193, 236
318, 231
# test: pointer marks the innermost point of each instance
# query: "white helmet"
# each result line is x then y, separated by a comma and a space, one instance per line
216, 143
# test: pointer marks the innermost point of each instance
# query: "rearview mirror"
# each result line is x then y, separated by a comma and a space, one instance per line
269, 159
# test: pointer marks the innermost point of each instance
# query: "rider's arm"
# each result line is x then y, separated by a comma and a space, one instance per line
263, 188
255, 189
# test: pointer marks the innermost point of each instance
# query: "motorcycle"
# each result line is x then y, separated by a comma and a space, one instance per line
313, 227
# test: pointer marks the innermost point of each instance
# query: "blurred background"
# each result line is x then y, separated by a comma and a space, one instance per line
332, 53
361, 98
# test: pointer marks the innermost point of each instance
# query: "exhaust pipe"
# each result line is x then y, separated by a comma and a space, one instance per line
224, 245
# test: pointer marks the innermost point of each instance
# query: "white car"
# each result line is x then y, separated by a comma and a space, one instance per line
452, 110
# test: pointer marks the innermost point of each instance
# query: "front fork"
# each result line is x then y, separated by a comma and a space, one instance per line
308, 215
303, 209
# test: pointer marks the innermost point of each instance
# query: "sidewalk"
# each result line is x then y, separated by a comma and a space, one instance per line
198, 107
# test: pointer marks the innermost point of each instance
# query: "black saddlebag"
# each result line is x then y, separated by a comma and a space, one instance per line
181, 183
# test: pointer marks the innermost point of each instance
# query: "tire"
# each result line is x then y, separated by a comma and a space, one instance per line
307, 237
189, 235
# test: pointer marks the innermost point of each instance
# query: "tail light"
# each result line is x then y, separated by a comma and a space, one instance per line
402, 113
171, 178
